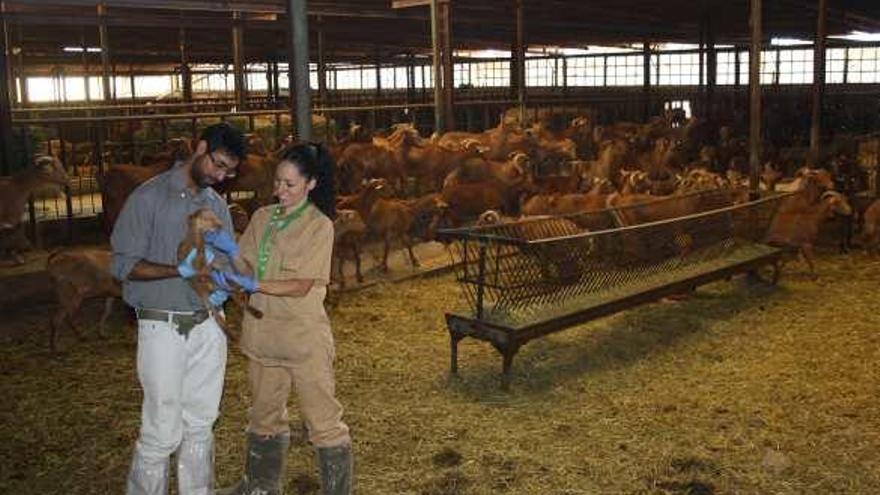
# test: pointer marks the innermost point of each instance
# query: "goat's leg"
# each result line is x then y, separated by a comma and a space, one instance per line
72, 308
809, 258
55, 324
108, 308
385, 254
357, 263
339, 268
409, 248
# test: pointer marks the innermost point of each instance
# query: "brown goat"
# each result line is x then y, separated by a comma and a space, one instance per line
798, 229
389, 218
198, 223
118, 182
79, 274
871, 228
349, 231
14, 192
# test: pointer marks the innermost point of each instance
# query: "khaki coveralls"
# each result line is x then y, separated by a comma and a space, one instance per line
292, 343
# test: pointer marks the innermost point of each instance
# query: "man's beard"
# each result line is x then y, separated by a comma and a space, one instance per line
199, 178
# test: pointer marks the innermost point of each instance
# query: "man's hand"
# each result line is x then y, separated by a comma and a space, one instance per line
221, 280
218, 297
222, 241
185, 268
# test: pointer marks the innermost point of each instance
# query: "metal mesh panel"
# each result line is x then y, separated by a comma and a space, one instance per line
520, 273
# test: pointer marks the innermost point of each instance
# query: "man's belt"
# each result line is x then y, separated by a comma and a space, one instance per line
184, 322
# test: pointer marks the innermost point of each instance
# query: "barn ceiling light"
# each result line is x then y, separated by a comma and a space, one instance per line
789, 42
79, 49
859, 36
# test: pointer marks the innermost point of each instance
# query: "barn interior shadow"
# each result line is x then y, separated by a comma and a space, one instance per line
610, 343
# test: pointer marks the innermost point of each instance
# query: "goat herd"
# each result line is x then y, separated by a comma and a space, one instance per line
401, 186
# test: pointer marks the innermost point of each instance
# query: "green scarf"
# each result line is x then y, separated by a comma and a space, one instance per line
276, 224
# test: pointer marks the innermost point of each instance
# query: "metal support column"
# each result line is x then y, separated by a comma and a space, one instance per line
25, 97
711, 66
818, 81
646, 82
322, 67
238, 61
85, 62
105, 52
185, 72
299, 42
439, 107
448, 66
10, 65
6, 141
755, 95
520, 61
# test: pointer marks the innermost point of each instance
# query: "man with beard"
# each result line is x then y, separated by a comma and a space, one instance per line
181, 351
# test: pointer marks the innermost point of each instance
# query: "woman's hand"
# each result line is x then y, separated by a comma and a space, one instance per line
224, 280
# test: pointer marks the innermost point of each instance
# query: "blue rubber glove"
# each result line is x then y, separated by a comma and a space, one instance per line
220, 279
185, 268
218, 297
222, 241
249, 284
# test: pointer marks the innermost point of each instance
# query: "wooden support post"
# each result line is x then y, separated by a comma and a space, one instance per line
105, 52
299, 42
85, 62
410, 78
520, 45
275, 76
131, 81
322, 65
185, 72
448, 65
378, 66
439, 107
818, 82
6, 140
9, 72
755, 96
238, 61
22, 77
711, 66
646, 82
269, 80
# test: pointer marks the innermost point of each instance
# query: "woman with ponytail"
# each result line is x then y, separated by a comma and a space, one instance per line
284, 262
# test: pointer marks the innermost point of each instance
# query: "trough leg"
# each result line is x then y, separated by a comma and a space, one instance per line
454, 339
507, 354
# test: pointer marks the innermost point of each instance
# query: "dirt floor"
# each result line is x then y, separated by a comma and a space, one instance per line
739, 389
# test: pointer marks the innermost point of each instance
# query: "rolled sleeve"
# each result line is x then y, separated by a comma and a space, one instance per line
131, 235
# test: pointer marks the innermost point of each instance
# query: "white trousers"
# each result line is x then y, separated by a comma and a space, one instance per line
182, 380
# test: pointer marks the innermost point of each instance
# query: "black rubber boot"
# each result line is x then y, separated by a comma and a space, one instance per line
264, 467
336, 467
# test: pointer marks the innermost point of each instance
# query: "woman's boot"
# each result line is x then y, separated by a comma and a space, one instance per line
264, 466
336, 470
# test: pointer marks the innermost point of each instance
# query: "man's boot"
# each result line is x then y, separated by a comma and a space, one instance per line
336, 470
264, 467
147, 477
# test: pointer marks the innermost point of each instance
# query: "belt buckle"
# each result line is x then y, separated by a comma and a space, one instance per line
186, 322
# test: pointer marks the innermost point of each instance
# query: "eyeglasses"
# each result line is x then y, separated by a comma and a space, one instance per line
227, 169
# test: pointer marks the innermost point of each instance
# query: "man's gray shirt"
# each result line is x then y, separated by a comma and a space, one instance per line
152, 224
